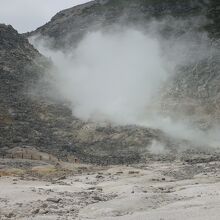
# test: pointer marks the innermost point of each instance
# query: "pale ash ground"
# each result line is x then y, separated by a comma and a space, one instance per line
157, 191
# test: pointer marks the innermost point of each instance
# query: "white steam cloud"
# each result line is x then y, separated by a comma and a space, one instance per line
117, 76
111, 76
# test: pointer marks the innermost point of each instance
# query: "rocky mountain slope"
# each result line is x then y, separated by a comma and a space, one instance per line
34, 121
168, 176
69, 25
195, 89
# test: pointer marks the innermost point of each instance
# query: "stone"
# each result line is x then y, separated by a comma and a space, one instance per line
133, 172
54, 200
36, 211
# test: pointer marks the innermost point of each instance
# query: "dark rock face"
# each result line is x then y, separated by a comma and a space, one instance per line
19, 70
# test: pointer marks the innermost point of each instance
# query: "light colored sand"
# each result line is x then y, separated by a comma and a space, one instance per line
187, 201
118, 193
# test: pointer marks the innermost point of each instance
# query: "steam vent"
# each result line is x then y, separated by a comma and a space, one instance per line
116, 104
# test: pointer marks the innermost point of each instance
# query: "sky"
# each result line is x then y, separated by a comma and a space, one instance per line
27, 15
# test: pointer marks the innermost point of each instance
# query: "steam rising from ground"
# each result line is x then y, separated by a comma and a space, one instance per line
111, 76
117, 76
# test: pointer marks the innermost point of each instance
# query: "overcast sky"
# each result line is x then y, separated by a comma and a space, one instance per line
27, 15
